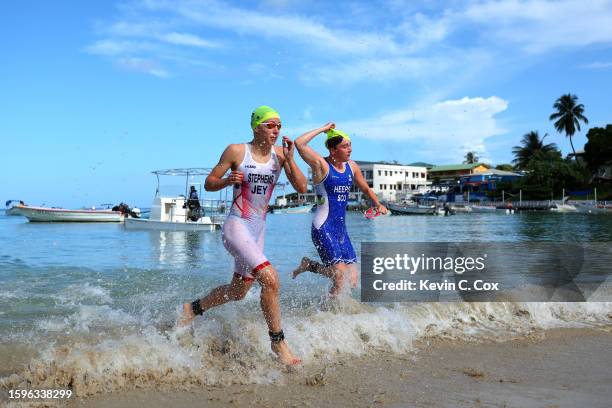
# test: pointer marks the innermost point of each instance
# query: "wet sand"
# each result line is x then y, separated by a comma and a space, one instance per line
555, 368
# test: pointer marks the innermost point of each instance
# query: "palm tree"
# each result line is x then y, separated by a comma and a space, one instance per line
470, 158
531, 146
568, 116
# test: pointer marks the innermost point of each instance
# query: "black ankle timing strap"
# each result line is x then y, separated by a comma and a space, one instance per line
197, 308
276, 337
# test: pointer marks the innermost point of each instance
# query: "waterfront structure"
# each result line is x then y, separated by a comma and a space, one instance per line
448, 175
479, 184
390, 181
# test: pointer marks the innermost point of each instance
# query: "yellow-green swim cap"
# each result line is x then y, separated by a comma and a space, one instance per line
331, 133
262, 114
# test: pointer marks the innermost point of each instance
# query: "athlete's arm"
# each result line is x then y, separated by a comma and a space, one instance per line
314, 159
293, 172
215, 180
363, 186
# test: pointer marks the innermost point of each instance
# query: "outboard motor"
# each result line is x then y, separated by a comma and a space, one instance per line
125, 209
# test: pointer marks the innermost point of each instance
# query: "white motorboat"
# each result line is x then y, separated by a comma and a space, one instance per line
563, 208
461, 208
483, 208
179, 213
45, 214
411, 208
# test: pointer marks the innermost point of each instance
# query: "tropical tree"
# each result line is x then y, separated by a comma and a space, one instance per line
505, 167
568, 116
531, 146
470, 158
548, 173
598, 149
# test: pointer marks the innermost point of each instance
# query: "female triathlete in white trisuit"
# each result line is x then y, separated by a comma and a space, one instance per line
243, 231
255, 168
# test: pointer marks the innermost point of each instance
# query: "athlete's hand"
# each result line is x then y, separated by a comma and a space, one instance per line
381, 209
288, 147
235, 177
330, 125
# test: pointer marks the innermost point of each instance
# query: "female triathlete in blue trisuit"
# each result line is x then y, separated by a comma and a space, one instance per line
333, 177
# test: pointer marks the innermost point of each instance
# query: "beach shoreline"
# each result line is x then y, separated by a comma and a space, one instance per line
548, 368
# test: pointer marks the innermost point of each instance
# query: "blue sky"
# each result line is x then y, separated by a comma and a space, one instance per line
95, 95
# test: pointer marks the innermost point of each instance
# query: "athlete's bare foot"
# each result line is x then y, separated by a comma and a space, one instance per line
187, 316
281, 349
304, 265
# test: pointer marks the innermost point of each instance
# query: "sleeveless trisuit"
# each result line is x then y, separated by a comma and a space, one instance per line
244, 228
328, 227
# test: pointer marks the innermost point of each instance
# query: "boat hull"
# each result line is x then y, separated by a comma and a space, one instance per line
564, 208
397, 209
42, 214
205, 224
12, 211
483, 208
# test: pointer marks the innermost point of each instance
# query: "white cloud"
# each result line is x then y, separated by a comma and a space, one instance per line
188, 39
413, 43
596, 65
113, 47
296, 28
451, 126
541, 25
376, 69
143, 65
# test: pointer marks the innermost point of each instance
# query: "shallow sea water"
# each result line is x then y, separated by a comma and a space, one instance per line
91, 306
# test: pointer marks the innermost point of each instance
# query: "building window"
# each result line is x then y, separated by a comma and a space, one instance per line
381, 187
379, 172
422, 175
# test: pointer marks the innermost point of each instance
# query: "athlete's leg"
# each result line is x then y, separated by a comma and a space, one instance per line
338, 273
313, 266
349, 258
329, 252
235, 290
339, 278
270, 305
353, 274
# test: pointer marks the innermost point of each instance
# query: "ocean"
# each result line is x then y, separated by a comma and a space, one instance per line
92, 306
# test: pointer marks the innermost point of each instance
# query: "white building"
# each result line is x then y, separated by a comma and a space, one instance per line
392, 181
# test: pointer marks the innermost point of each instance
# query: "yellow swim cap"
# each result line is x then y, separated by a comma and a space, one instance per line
331, 133
262, 114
